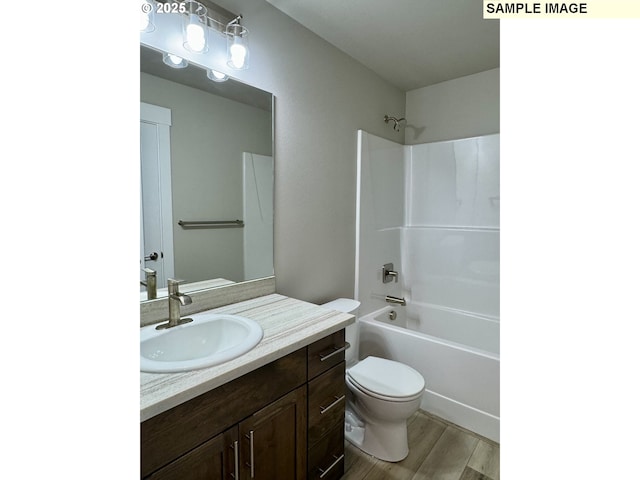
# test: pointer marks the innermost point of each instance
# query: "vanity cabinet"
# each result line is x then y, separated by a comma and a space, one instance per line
278, 422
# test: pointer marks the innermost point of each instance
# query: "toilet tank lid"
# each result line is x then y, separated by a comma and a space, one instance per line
346, 305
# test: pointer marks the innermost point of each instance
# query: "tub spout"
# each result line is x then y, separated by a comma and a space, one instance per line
395, 300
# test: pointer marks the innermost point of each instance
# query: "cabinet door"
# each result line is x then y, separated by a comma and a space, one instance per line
274, 440
213, 460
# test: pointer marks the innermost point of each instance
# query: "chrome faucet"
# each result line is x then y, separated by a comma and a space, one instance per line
176, 299
395, 300
150, 283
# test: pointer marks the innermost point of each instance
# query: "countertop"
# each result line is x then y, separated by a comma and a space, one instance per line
288, 325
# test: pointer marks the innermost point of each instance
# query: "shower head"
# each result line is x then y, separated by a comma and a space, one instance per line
396, 122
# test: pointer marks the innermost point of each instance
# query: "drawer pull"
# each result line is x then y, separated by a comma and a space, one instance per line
336, 462
337, 401
335, 352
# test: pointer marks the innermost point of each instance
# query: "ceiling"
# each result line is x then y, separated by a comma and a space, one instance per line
409, 43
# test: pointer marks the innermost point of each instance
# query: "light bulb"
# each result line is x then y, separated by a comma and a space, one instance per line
237, 48
146, 17
238, 55
195, 35
176, 60
216, 76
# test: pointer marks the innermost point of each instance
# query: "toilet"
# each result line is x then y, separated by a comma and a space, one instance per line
383, 394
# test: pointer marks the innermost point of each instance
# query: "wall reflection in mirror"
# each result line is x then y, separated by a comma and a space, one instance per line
206, 151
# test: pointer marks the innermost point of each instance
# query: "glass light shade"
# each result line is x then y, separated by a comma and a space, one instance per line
237, 47
195, 29
147, 12
174, 61
216, 76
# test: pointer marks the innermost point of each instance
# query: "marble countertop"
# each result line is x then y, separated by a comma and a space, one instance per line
288, 325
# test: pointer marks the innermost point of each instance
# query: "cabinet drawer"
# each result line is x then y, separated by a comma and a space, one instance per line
326, 402
325, 353
326, 458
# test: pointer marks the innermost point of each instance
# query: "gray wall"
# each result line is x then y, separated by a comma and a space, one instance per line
459, 108
322, 98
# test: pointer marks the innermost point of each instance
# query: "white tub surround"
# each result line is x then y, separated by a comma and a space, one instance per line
288, 325
433, 210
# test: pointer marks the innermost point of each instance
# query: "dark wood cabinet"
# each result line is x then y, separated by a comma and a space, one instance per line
326, 458
213, 459
272, 423
326, 402
274, 440
327, 397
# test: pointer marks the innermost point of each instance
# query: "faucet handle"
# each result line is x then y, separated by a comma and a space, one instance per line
388, 273
173, 285
151, 282
174, 282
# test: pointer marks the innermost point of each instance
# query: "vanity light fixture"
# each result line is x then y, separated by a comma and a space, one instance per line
147, 12
174, 61
205, 27
195, 27
237, 44
216, 76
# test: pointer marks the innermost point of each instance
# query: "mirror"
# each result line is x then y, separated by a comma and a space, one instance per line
206, 177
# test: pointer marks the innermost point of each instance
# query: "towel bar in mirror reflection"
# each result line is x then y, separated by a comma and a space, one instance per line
211, 224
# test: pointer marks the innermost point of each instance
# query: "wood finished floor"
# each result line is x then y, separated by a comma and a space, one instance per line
438, 450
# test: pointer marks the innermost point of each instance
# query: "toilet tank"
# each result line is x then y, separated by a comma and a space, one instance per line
348, 305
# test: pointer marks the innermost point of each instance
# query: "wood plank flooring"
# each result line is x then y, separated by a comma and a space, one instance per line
438, 450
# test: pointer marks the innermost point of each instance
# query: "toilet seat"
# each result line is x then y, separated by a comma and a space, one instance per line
386, 379
355, 387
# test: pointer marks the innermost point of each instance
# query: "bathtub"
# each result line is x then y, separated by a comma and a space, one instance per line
457, 353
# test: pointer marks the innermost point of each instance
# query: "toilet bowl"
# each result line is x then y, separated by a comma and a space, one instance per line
383, 394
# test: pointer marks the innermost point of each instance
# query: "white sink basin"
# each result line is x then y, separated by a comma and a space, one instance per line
211, 339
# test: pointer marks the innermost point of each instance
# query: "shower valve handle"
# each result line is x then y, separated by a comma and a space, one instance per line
388, 274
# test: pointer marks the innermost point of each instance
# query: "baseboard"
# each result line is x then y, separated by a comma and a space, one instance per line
472, 419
